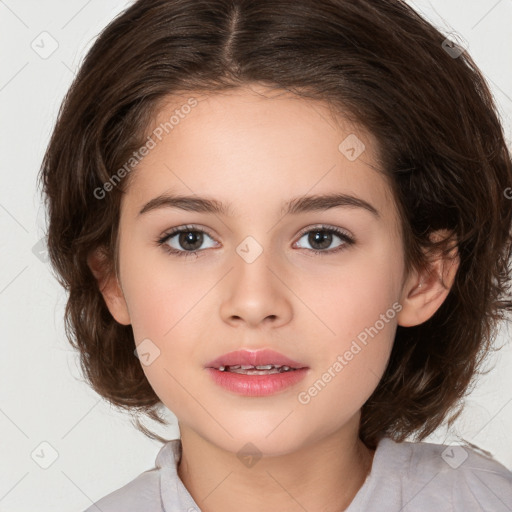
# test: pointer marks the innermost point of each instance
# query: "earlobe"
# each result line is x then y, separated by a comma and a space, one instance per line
109, 286
424, 293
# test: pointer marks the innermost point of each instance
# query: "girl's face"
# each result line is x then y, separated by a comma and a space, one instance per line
256, 282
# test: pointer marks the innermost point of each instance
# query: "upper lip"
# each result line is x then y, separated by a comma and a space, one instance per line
254, 358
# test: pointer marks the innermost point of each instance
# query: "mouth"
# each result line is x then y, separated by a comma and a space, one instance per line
256, 373
255, 362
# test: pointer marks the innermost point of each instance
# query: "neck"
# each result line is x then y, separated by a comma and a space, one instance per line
324, 475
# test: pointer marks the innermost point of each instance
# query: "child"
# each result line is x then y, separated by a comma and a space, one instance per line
344, 170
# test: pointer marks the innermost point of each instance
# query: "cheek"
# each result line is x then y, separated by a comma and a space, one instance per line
159, 296
165, 309
357, 306
353, 357
353, 296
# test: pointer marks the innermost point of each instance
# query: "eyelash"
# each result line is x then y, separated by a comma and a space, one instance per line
348, 240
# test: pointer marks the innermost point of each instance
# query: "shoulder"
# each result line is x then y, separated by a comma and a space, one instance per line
142, 493
156, 490
450, 477
145, 491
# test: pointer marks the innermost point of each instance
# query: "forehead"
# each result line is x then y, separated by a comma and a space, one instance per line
253, 141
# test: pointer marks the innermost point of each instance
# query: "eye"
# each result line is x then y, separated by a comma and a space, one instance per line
188, 240
321, 238
184, 241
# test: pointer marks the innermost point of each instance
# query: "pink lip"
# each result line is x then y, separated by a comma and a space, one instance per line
254, 358
257, 385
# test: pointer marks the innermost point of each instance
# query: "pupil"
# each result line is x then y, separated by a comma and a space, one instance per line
320, 237
191, 237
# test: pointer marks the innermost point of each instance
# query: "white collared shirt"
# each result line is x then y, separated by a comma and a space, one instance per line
405, 477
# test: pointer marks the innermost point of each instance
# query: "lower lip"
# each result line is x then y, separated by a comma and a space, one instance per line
257, 385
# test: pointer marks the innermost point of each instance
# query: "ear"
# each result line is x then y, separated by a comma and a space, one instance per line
423, 294
109, 286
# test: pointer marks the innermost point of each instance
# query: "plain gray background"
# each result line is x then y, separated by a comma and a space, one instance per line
62, 447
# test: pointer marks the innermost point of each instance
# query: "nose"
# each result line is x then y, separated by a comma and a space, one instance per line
257, 293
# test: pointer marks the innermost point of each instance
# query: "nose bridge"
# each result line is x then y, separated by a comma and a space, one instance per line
252, 266
255, 292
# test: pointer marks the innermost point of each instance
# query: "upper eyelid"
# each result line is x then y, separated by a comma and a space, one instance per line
186, 228
321, 227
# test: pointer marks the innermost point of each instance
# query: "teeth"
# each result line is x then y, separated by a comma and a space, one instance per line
255, 370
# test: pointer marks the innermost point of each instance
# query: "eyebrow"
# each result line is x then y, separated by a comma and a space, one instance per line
294, 206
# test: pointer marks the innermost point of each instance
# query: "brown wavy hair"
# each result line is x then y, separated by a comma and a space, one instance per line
375, 61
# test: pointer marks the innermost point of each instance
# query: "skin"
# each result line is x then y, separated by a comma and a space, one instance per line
257, 149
